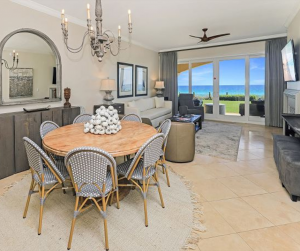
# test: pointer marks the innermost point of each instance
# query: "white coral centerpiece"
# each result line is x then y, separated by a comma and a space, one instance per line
105, 121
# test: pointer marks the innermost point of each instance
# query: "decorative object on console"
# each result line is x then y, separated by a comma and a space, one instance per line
21, 83
141, 80
105, 121
67, 95
15, 61
159, 86
108, 85
101, 41
125, 80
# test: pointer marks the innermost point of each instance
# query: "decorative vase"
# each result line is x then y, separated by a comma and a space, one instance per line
67, 95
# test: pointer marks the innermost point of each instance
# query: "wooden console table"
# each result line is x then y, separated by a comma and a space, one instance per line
15, 126
292, 124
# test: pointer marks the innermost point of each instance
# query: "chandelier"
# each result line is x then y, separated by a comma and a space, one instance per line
15, 61
100, 41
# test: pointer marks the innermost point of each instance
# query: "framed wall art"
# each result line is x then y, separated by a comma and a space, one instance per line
141, 80
125, 80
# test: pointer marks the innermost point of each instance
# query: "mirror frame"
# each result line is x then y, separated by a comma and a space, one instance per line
58, 68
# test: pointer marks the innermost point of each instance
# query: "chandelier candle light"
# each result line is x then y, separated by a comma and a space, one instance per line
100, 41
15, 61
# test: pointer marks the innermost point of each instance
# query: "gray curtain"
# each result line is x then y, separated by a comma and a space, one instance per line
274, 85
168, 74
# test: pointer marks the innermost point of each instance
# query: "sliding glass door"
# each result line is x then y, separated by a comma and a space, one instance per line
232, 88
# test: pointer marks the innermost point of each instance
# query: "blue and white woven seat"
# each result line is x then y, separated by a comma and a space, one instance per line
165, 128
45, 128
94, 175
44, 172
138, 171
82, 118
132, 117
143, 167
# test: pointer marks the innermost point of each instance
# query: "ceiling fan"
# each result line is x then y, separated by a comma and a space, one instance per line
205, 38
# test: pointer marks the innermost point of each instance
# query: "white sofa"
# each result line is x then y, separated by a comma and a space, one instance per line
155, 109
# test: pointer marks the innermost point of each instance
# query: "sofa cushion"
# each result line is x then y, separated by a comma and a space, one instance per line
159, 102
155, 113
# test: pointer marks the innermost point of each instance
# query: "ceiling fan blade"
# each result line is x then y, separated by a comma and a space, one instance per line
195, 37
221, 35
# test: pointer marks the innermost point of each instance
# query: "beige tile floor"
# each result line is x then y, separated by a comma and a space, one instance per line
245, 207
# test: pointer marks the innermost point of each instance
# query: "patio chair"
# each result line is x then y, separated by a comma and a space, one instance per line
94, 175
165, 129
82, 118
142, 168
132, 117
44, 173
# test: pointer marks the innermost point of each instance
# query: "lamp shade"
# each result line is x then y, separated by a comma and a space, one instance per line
108, 85
159, 85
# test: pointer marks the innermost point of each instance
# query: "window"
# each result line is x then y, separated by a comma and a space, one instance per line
183, 78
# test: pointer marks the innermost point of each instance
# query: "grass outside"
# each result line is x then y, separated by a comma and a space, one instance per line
231, 106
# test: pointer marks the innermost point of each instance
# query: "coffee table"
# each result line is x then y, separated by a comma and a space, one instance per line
196, 119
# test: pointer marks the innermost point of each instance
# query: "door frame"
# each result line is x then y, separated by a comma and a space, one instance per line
216, 61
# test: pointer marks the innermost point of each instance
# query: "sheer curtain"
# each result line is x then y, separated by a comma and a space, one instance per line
275, 84
168, 74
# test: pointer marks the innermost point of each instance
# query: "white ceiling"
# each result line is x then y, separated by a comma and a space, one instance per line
167, 24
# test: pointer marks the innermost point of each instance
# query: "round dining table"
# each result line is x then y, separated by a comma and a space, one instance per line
127, 141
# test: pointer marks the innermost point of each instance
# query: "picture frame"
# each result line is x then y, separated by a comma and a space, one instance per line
125, 80
141, 80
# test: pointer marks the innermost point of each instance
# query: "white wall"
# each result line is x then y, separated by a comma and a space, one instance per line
294, 33
223, 51
81, 72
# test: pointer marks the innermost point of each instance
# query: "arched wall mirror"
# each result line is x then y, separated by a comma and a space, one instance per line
30, 69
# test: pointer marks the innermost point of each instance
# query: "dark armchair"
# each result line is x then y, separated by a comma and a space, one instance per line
187, 106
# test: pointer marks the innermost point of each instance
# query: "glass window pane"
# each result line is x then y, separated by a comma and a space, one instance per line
257, 87
203, 82
232, 87
183, 78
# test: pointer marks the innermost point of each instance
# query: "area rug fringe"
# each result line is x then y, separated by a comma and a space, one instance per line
193, 239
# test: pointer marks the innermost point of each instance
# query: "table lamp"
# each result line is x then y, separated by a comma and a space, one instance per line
159, 86
108, 85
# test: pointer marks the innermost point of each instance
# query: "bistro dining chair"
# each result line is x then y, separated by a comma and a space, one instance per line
44, 173
82, 118
132, 117
143, 168
45, 128
165, 129
94, 175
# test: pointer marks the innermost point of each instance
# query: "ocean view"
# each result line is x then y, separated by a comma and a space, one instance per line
203, 90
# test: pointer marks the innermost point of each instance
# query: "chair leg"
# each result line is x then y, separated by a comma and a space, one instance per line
118, 201
145, 203
159, 191
163, 169
42, 200
64, 190
111, 199
167, 175
105, 225
73, 223
28, 198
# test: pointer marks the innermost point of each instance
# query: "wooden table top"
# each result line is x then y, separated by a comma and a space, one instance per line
127, 141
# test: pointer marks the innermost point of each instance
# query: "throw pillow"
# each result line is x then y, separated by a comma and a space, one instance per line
159, 102
131, 104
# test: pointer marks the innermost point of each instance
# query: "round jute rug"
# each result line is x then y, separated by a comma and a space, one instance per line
169, 228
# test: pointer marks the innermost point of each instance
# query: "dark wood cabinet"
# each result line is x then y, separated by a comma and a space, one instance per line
15, 126
118, 106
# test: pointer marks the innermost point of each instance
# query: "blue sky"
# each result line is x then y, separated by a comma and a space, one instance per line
232, 72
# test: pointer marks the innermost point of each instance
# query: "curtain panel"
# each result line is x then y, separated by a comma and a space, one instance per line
274, 85
168, 74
